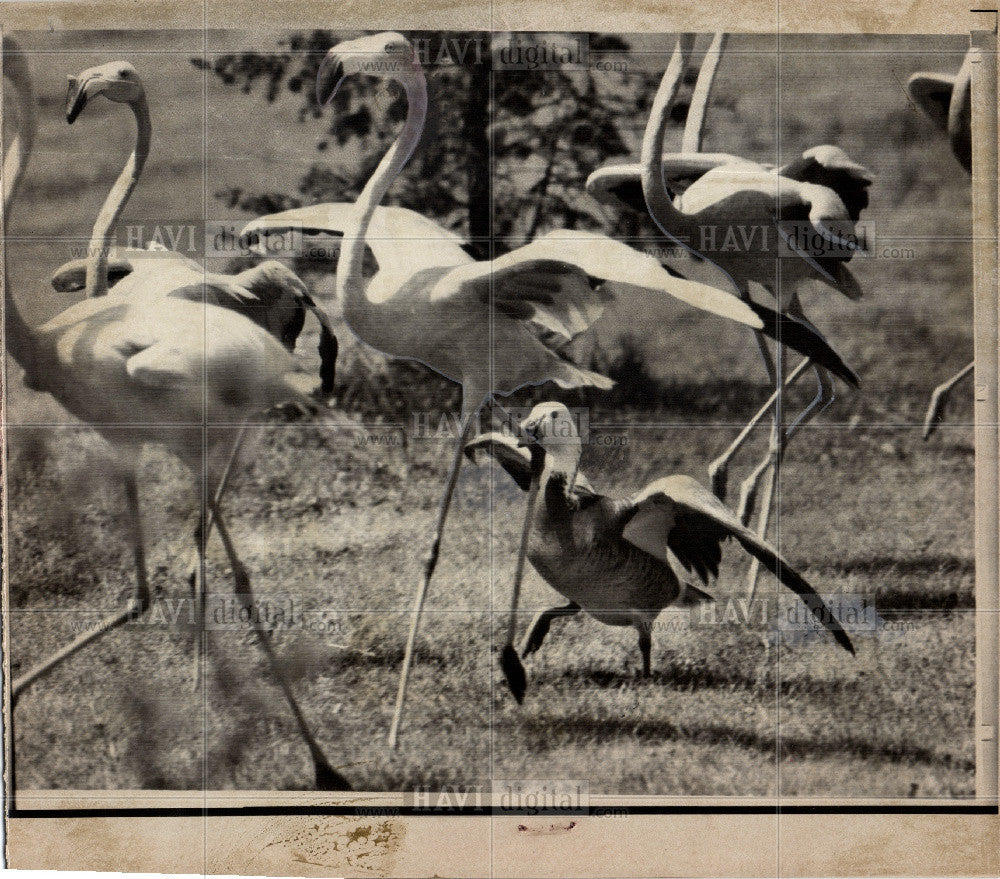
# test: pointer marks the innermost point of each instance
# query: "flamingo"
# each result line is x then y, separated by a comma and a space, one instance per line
270, 294
432, 303
947, 100
746, 194
825, 165
618, 559
148, 369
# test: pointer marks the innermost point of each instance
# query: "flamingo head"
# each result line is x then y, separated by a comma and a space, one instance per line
118, 81
386, 55
551, 426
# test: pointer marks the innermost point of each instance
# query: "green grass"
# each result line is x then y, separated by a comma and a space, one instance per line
866, 507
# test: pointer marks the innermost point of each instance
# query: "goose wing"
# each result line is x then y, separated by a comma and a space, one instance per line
681, 515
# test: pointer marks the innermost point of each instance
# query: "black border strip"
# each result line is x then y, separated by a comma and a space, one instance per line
375, 810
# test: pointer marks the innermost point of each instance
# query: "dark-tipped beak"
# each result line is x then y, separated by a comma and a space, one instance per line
528, 437
329, 78
76, 99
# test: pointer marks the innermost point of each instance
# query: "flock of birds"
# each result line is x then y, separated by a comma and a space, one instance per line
158, 342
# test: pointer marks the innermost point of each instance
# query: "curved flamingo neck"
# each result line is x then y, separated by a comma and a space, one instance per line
17, 154
107, 220
658, 202
18, 337
350, 277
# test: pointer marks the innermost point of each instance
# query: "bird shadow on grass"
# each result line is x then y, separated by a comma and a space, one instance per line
691, 677
930, 593
542, 732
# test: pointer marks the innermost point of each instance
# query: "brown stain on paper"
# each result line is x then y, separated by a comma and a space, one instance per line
368, 844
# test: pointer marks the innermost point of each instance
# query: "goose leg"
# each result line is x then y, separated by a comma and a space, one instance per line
327, 778
468, 418
645, 647
935, 409
539, 627
137, 607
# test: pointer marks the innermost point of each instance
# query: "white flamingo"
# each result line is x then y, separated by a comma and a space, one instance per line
270, 294
793, 216
617, 559
492, 326
150, 369
948, 101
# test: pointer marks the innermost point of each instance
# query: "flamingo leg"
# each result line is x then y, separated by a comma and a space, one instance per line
935, 409
206, 521
539, 627
139, 604
825, 395
468, 419
718, 470
327, 778
776, 452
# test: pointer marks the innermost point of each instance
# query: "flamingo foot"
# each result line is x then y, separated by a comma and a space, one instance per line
513, 671
935, 411
327, 778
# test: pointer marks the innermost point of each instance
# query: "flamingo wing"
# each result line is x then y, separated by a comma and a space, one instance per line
71, 276
281, 291
554, 294
621, 185
830, 166
680, 515
605, 259
401, 240
239, 364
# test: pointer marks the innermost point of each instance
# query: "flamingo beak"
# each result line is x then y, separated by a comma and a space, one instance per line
329, 78
76, 98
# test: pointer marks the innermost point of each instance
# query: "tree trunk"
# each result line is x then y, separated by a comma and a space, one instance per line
475, 133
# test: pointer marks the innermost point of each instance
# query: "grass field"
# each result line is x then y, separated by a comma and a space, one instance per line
338, 524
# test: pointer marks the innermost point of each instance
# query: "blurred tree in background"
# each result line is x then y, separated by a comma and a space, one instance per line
543, 130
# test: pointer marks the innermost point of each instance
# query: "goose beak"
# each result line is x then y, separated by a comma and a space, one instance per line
529, 435
329, 78
76, 98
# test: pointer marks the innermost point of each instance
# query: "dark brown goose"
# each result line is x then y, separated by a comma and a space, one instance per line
622, 560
